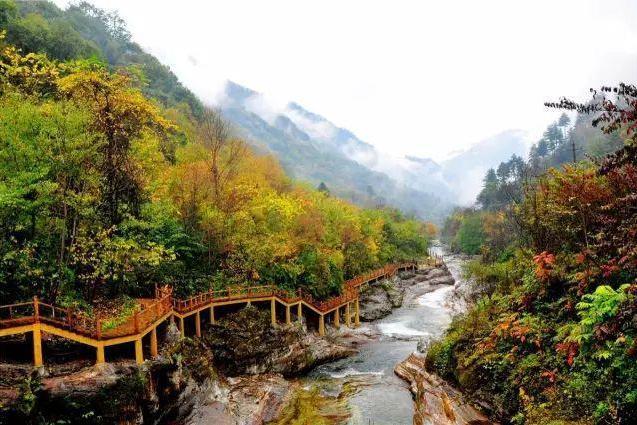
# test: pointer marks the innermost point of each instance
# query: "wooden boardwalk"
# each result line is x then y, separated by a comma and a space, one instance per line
37, 317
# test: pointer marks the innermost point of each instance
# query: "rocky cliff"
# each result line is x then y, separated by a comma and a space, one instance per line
435, 400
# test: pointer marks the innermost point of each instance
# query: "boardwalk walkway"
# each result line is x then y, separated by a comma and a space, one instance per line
37, 317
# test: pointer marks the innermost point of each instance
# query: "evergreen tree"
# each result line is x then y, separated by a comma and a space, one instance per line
322, 187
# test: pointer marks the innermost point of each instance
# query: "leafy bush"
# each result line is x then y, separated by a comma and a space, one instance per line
470, 237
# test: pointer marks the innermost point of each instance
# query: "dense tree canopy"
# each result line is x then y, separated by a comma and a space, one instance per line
105, 192
83, 31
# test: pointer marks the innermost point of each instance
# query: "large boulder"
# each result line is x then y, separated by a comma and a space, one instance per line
378, 299
438, 275
246, 343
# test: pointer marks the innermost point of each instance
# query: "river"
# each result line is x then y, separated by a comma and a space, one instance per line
375, 394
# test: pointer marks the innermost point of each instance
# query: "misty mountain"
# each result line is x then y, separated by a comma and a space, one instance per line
464, 171
313, 149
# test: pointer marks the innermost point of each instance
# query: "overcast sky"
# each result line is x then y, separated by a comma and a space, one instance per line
422, 77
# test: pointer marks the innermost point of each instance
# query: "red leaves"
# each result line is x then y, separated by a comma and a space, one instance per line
514, 331
570, 349
609, 269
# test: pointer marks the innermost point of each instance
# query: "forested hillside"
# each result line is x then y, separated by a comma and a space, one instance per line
84, 31
114, 178
550, 334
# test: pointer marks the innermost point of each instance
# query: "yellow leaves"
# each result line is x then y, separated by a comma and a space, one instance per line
280, 210
372, 246
146, 151
119, 109
31, 73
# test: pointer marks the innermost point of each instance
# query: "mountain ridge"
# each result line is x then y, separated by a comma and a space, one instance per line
286, 130
311, 148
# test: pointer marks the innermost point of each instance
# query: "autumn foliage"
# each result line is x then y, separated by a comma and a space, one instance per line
104, 193
550, 336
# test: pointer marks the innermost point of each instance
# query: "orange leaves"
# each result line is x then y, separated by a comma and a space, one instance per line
550, 375
431, 230
514, 330
570, 349
544, 265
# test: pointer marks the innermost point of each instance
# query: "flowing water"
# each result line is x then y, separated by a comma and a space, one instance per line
375, 395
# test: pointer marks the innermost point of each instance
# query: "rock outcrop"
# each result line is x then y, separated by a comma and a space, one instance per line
380, 298
377, 300
436, 402
439, 275
251, 399
246, 343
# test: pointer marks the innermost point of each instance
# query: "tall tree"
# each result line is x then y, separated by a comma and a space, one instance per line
619, 113
322, 187
226, 151
120, 114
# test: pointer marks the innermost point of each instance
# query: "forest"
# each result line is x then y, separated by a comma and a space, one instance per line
115, 178
550, 334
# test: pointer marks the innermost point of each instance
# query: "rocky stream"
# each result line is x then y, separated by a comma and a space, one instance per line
373, 374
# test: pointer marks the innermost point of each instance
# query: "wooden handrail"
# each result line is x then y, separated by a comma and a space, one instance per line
164, 303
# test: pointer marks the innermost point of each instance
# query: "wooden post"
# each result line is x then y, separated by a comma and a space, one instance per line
212, 314
357, 320
288, 315
321, 325
98, 327
37, 345
36, 309
139, 353
153, 342
348, 317
273, 311
299, 312
337, 318
198, 324
101, 358
181, 327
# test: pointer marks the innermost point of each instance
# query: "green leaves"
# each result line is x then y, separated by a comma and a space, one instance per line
107, 264
601, 305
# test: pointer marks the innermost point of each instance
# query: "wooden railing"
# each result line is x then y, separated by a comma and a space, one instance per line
433, 258
38, 311
69, 319
140, 320
16, 314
